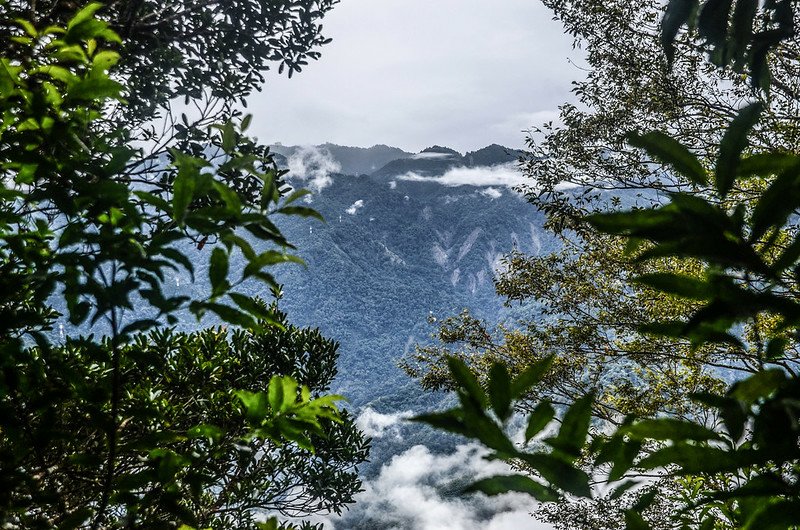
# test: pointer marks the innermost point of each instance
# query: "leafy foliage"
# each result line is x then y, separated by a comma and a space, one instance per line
115, 429
191, 449
737, 465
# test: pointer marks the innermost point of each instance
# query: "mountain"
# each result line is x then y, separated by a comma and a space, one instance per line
351, 160
492, 155
393, 252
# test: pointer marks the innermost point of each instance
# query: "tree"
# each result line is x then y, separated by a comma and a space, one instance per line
739, 471
187, 449
93, 227
590, 310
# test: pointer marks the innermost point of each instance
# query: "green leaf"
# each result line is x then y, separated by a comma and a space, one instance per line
733, 413
758, 386
733, 144
778, 515
231, 315
29, 28
282, 393
218, 270
677, 284
296, 195
623, 488
257, 309
767, 164
94, 88
500, 390
104, 60
742, 30
256, 404
229, 197
75, 519
139, 325
669, 429
451, 421
530, 377
645, 501
693, 459
634, 521
246, 122
541, 416
229, 137
211, 432
678, 13
713, 21
186, 183
559, 473
499, 485
776, 203
669, 151
466, 380
302, 211
269, 257
574, 427
86, 13
269, 524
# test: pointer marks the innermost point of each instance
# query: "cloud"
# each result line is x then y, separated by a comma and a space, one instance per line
428, 155
376, 425
392, 185
523, 121
355, 207
492, 193
507, 175
415, 73
314, 166
418, 489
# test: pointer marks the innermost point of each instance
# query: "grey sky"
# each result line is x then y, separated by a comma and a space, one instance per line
413, 73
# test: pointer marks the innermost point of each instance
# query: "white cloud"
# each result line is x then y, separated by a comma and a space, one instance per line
431, 155
392, 185
355, 207
313, 166
524, 121
507, 175
415, 490
414, 73
376, 425
492, 193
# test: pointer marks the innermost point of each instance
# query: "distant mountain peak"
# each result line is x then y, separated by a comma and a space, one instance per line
442, 150
492, 155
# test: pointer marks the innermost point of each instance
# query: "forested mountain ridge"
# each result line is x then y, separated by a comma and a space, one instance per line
395, 251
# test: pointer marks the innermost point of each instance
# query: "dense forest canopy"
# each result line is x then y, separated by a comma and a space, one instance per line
658, 382
654, 311
123, 422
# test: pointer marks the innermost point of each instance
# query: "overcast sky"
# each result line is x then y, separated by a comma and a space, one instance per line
413, 73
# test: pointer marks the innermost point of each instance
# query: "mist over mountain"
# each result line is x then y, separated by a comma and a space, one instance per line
398, 246
351, 160
418, 239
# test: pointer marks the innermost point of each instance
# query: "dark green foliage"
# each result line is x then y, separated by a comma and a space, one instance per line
115, 428
190, 449
745, 471
186, 49
739, 34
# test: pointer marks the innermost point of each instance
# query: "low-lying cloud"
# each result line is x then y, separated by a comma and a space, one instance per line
492, 193
313, 166
376, 425
420, 489
355, 207
506, 175
430, 155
